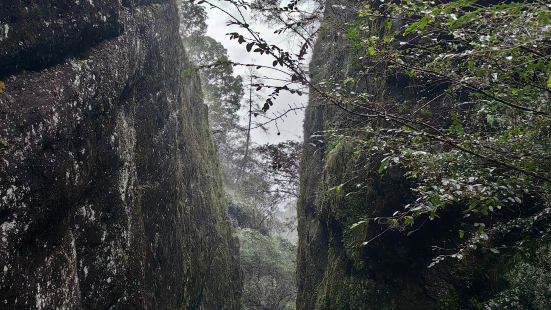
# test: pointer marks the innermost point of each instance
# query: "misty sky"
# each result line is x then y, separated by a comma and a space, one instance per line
290, 127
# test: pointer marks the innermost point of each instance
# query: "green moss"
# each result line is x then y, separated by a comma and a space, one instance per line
340, 290
214, 272
343, 182
345, 285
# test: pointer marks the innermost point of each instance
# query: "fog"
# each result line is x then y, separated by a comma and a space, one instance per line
290, 127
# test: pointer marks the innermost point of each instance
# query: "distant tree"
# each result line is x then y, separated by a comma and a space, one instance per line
221, 89
193, 19
269, 182
269, 269
282, 160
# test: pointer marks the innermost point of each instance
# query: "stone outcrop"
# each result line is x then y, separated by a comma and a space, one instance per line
335, 272
110, 192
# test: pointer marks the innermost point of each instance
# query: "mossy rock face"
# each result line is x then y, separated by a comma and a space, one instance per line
367, 267
110, 190
527, 282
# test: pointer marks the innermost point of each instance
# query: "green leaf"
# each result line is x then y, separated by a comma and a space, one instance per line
365, 11
382, 168
418, 25
349, 81
543, 18
484, 211
456, 126
464, 19
549, 82
352, 34
371, 51
435, 200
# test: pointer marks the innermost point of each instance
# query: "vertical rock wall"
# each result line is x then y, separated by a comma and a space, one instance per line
335, 272
110, 192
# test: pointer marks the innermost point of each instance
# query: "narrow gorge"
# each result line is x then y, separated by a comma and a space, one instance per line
275, 155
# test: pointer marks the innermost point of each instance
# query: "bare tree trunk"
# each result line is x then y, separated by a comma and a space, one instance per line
248, 142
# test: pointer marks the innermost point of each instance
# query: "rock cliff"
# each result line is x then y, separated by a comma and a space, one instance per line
335, 272
110, 192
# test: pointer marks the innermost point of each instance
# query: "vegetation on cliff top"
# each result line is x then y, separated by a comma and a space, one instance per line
476, 133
